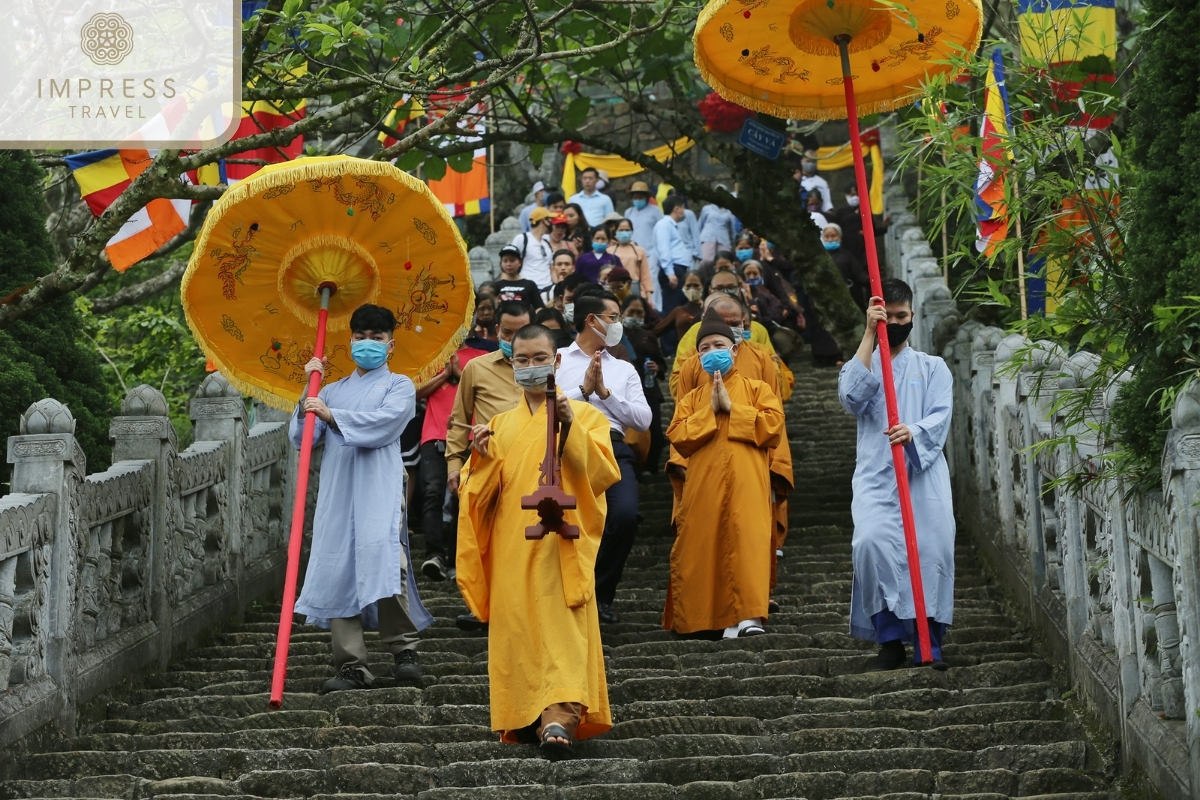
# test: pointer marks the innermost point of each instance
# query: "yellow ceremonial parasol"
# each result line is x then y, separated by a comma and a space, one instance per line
792, 60
288, 255
250, 292
783, 58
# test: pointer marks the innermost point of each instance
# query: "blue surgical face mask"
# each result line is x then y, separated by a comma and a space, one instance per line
831, 246
715, 361
624, 237
368, 353
754, 281
506, 348
742, 255
640, 204
599, 247
746, 334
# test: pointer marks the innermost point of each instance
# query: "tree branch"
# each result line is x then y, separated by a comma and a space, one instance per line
140, 291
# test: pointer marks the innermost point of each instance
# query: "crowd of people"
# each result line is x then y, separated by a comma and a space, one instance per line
620, 310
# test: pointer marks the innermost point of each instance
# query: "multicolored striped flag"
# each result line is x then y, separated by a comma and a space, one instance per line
406, 110
264, 116
463, 193
1075, 41
466, 193
991, 208
102, 176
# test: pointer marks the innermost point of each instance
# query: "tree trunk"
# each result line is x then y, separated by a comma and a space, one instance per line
769, 204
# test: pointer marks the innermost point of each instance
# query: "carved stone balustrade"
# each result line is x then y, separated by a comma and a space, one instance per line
1109, 573
103, 575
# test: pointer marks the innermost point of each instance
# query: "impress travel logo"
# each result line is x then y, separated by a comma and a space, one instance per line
105, 73
106, 39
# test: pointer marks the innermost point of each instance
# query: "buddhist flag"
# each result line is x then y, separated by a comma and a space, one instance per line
991, 210
466, 193
405, 111
102, 175
1076, 42
264, 116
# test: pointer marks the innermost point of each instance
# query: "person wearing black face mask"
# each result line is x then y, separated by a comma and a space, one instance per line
882, 608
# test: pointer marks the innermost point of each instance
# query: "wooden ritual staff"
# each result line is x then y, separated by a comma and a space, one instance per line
550, 500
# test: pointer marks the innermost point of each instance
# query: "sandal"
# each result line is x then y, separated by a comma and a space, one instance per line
751, 630
556, 751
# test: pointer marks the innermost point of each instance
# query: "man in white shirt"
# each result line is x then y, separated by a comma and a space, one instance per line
809, 179
589, 373
674, 257
536, 250
645, 215
539, 196
594, 203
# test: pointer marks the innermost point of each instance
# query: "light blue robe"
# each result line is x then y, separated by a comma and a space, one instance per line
924, 394
360, 526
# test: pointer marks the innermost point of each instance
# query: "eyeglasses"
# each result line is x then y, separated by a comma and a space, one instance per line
536, 361
606, 316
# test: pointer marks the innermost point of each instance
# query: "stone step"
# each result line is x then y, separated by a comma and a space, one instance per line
790, 714
410, 767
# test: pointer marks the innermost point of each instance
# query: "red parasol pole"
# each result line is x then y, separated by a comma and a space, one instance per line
925, 653
296, 537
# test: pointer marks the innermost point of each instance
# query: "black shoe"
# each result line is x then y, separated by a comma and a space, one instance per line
772, 606
607, 615
468, 622
408, 666
891, 656
350, 676
434, 569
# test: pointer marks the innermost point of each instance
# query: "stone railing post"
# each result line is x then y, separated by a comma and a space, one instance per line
1181, 487
218, 413
47, 459
144, 431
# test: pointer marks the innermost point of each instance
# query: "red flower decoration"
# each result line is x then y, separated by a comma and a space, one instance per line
572, 148
722, 116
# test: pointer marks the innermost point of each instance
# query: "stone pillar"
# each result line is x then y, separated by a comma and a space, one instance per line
1181, 487
218, 413
47, 459
144, 431
482, 269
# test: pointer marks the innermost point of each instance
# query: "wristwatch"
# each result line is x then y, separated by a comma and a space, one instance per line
587, 396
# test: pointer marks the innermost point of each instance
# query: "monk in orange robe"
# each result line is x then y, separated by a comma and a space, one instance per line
721, 560
545, 661
751, 362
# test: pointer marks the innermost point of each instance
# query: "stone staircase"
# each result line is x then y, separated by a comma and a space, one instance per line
789, 714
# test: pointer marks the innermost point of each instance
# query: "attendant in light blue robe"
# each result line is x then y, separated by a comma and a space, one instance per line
881, 602
359, 568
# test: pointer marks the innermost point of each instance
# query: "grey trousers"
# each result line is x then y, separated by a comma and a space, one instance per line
396, 630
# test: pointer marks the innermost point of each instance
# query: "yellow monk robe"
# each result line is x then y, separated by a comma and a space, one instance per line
721, 560
544, 633
753, 363
759, 339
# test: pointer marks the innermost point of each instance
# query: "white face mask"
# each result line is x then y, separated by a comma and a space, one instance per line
613, 332
852, 201
569, 312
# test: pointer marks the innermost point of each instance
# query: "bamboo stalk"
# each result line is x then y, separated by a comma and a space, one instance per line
1020, 254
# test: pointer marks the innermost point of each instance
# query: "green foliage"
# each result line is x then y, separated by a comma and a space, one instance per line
1075, 207
146, 342
42, 355
1164, 255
